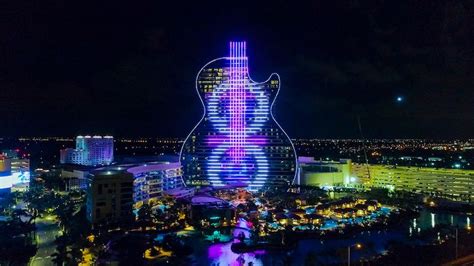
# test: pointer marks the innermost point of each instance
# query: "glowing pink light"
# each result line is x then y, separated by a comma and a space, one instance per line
237, 79
215, 251
259, 252
256, 140
252, 140
237, 111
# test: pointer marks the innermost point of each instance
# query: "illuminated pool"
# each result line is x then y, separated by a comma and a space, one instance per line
328, 251
329, 225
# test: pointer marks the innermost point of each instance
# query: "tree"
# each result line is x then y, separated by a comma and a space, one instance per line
53, 182
36, 201
7, 202
251, 206
144, 216
20, 246
60, 257
159, 217
65, 211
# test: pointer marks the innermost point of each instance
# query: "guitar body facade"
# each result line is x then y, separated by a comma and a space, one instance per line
237, 141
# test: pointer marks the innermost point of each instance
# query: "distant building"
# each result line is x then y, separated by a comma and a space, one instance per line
323, 173
90, 151
110, 197
454, 184
14, 172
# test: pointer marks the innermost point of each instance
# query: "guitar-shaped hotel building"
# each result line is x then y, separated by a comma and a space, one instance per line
237, 141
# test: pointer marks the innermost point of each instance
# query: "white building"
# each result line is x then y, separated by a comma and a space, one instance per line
90, 151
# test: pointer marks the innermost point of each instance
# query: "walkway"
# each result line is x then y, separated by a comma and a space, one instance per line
46, 232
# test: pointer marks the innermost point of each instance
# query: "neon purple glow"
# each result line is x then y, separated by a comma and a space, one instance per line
253, 140
215, 251
221, 254
237, 104
91, 151
238, 140
237, 109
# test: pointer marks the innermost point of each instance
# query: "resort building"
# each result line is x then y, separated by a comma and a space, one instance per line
150, 181
453, 184
237, 141
154, 180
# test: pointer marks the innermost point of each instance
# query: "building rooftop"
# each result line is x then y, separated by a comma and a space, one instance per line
207, 200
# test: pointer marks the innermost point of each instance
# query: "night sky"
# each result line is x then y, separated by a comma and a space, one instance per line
104, 67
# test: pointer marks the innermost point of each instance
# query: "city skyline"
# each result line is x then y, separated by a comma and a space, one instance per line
133, 67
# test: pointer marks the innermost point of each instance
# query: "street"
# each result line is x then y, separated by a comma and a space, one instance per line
46, 232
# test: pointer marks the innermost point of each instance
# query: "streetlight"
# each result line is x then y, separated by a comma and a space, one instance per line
357, 246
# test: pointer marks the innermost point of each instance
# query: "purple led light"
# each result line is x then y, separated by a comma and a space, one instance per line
237, 80
252, 140
237, 140
237, 109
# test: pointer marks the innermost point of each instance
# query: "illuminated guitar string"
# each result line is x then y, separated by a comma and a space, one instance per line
237, 154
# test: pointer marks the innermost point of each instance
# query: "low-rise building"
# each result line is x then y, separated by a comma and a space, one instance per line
153, 180
454, 184
75, 177
323, 173
209, 211
150, 181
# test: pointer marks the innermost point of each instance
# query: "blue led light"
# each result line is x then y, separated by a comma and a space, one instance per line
237, 139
